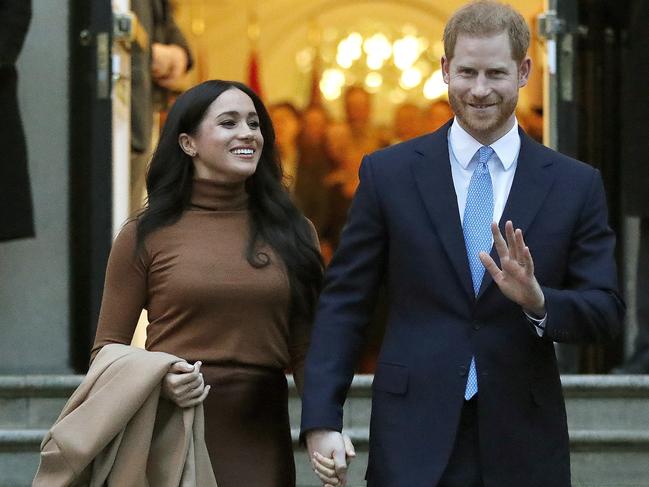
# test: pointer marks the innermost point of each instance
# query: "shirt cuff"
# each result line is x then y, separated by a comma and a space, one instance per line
539, 323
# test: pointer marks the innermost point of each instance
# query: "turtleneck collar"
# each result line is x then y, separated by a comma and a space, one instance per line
210, 195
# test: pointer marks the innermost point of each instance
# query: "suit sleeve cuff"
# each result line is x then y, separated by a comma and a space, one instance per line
538, 323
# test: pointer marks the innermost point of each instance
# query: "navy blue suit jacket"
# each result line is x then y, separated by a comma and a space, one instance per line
404, 229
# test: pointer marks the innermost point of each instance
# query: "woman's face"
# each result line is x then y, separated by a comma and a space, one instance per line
227, 144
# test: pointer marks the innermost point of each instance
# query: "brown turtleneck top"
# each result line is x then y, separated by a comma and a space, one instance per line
204, 300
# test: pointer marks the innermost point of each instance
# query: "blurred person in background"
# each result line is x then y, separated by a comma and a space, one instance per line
438, 113
16, 212
286, 120
311, 194
358, 116
340, 183
408, 123
155, 69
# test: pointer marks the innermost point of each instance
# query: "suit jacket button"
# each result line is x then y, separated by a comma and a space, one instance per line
476, 325
463, 370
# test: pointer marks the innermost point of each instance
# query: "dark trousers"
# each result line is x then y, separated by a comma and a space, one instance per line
463, 469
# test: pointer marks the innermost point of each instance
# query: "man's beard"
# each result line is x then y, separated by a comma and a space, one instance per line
483, 126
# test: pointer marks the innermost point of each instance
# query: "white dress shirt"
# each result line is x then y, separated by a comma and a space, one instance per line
463, 148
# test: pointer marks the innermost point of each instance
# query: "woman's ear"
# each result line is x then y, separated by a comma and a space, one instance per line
187, 144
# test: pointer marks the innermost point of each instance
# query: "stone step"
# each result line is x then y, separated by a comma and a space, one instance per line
593, 402
608, 420
596, 402
607, 402
598, 459
34, 401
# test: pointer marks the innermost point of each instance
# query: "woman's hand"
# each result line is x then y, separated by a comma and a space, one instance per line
184, 385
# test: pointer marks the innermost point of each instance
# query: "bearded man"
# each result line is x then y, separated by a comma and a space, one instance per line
492, 247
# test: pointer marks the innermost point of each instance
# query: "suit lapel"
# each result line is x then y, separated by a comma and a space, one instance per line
432, 173
531, 184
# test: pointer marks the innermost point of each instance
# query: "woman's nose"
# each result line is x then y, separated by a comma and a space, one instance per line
246, 132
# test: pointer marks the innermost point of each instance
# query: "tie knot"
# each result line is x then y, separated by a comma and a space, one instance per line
484, 153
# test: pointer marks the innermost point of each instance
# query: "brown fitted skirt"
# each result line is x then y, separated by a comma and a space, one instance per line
247, 428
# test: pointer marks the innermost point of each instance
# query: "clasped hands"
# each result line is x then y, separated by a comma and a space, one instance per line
330, 453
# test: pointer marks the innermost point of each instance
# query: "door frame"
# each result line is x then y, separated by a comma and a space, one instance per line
90, 168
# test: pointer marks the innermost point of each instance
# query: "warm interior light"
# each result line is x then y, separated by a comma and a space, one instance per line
397, 96
434, 86
355, 38
331, 83
406, 51
387, 63
352, 46
410, 78
304, 59
343, 60
378, 46
373, 80
374, 62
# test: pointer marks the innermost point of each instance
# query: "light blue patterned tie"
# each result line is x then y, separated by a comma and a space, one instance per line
478, 215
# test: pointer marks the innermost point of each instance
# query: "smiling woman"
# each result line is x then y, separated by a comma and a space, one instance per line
228, 142
229, 272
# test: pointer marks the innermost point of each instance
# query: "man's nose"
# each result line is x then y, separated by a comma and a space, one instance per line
481, 87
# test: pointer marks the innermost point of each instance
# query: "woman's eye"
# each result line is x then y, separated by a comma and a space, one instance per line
228, 123
253, 124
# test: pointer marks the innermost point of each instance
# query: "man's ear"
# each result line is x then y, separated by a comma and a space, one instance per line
524, 71
446, 69
187, 144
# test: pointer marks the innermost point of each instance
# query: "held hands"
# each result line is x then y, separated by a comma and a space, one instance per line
516, 279
330, 453
184, 385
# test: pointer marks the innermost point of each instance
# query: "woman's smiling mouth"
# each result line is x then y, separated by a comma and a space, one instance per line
244, 152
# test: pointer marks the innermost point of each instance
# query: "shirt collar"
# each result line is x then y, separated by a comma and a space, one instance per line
464, 146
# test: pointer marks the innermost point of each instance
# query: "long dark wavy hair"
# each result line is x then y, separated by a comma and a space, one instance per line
274, 221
